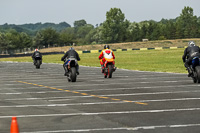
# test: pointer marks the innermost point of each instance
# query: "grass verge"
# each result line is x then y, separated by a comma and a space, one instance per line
165, 60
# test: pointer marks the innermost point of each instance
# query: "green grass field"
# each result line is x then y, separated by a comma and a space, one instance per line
165, 60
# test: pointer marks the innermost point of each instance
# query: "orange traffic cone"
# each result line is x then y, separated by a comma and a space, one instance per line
14, 125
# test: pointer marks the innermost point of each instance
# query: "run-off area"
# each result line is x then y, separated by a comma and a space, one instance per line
132, 101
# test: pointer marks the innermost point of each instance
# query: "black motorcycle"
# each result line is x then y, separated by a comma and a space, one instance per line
71, 65
38, 62
195, 70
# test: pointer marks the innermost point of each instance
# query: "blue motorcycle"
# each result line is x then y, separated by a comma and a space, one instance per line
195, 69
71, 65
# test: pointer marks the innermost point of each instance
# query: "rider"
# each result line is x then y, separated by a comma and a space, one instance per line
71, 53
36, 54
106, 53
190, 52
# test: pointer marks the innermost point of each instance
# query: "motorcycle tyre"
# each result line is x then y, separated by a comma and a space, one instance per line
37, 64
110, 71
197, 70
73, 74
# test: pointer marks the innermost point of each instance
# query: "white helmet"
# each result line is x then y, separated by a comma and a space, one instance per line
191, 43
36, 49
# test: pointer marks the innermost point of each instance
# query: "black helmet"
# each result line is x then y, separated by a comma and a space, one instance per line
106, 47
191, 43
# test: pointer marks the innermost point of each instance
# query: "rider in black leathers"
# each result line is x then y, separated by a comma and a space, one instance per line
190, 52
36, 54
71, 53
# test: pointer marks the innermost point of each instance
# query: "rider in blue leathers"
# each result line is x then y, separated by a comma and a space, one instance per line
71, 53
190, 52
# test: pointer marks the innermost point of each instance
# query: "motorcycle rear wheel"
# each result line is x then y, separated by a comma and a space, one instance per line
73, 74
110, 71
37, 64
197, 70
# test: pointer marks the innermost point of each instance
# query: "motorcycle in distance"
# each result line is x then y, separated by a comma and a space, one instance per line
109, 68
38, 62
71, 65
195, 69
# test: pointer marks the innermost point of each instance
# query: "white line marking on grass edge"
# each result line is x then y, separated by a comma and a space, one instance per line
118, 128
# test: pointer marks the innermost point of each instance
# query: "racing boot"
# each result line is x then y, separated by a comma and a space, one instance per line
77, 70
114, 68
66, 73
189, 72
102, 68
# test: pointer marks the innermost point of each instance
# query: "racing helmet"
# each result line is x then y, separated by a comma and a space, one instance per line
106, 47
36, 49
191, 43
71, 48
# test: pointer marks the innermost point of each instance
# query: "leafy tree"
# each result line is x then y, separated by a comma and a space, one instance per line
66, 38
3, 41
95, 35
13, 38
84, 30
186, 24
46, 37
115, 26
26, 40
143, 31
80, 23
134, 32
169, 30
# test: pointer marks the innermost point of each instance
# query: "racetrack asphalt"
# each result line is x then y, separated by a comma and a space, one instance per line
131, 102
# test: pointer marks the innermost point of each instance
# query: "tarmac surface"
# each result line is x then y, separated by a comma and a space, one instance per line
131, 102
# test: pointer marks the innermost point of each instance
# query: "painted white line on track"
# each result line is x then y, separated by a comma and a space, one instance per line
41, 92
118, 128
105, 113
166, 100
154, 93
17, 99
60, 105
133, 88
100, 84
129, 94
145, 87
58, 100
71, 97
94, 103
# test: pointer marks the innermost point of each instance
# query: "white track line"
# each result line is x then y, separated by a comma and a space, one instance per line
94, 103
109, 95
133, 88
154, 93
119, 128
105, 113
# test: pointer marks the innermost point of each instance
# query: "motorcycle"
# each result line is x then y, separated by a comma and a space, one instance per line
38, 62
109, 68
71, 64
195, 67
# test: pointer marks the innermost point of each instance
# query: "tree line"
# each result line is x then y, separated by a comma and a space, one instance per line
115, 29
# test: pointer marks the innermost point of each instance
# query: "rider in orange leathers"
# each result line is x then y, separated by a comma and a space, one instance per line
106, 54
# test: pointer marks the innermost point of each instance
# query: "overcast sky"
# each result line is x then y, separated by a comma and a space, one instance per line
93, 11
